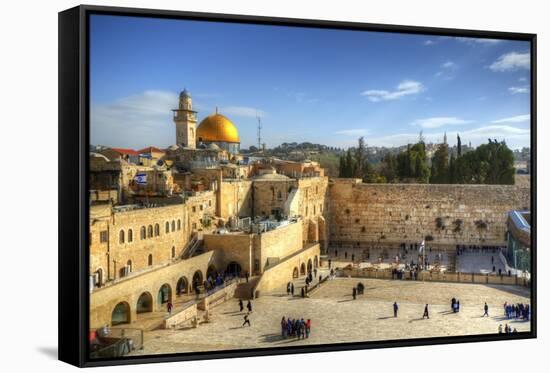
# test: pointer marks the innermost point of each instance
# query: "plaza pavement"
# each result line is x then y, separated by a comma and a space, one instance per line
337, 318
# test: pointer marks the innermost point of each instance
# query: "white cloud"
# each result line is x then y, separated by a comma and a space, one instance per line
516, 90
522, 79
511, 62
135, 121
352, 132
482, 41
516, 119
429, 42
449, 65
242, 111
437, 122
405, 88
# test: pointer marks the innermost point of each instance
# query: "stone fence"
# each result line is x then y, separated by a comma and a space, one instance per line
474, 278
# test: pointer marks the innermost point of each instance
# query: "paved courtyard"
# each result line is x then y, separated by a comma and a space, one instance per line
336, 317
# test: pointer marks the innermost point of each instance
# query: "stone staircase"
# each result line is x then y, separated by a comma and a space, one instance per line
244, 289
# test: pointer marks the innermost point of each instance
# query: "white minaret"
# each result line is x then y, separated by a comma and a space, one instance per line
186, 121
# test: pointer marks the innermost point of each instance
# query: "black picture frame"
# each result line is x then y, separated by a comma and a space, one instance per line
73, 153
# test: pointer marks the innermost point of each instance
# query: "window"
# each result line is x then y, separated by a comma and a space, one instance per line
167, 227
314, 210
142, 233
320, 207
157, 230
179, 225
150, 260
173, 226
129, 265
121, 236
130, 235
173, 251
279, 195
103, 236
306, 210
209, 202
194, 209
150, 231
316, 189
200, 207
194, 225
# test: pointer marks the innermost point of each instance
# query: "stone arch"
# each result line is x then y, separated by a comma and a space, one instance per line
302, 269
100, 279
316, 262
150, 260
295, 273
144, 303
164, 294
182, 287
211, 272
197, 279
234, 268
309, 266
120, 314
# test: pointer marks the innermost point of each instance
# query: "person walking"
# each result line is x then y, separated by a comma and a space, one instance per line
500, 329
249, 306
241, 306
486, 309
169, 307
303, 293
283, 327
354, 293
246, 320
426, 312
395, 309
246, 276
288, 289
308, 327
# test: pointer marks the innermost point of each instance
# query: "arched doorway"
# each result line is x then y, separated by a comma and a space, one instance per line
234, 268
197, 280
164, 294
211, 272
183, 286
302, 269
315, 262
295, 273
121, 314
309, 266
145, 303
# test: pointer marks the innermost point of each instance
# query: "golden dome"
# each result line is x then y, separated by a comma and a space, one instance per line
217, 128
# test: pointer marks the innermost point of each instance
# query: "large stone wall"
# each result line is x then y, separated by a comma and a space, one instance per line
236, 248
235, 198
395, 213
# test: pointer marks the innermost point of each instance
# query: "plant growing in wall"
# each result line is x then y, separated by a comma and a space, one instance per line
428, 238
457, 225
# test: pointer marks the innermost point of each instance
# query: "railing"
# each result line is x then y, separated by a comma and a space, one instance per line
118, 342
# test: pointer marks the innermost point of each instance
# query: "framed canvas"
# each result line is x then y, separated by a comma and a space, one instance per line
234, 186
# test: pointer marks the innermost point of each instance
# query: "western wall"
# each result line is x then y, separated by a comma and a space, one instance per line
366, 214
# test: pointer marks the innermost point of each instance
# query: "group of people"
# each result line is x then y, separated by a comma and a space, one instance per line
517, 311
507, 329
297, 328
461, 249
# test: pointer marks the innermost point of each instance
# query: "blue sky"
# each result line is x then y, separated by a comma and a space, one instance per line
322, 86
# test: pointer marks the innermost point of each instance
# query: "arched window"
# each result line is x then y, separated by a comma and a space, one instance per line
130, 235
121, 236
173, 251
167, 227
179, 224
157, 230
142, 233
279, 195
173, 226
150, 260
129, 265
150, 231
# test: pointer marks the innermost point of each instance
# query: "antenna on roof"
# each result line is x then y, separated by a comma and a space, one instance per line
259, 131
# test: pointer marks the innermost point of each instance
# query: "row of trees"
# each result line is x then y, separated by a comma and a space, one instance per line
491, 163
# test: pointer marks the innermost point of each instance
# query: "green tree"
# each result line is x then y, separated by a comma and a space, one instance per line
440, 165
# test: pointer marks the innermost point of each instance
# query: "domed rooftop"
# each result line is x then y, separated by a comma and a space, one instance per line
217, 127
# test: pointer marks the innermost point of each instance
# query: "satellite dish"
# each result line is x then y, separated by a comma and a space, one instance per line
160, 162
